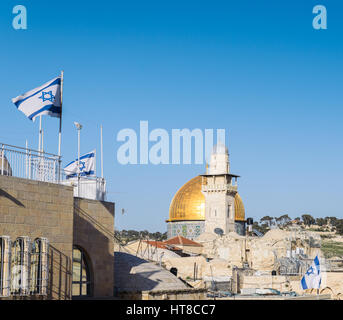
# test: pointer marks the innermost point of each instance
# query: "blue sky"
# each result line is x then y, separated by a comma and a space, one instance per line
256, 68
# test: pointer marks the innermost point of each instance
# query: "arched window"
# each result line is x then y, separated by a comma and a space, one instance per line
81, 274
39, 267
5, 275
20, 266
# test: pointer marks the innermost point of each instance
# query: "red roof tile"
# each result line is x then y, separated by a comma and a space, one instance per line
179, 240
161, 245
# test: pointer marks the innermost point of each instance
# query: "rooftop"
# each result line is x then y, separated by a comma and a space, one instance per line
179, 240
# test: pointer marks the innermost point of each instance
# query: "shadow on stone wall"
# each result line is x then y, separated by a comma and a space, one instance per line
5, 194
96, 240
60, 272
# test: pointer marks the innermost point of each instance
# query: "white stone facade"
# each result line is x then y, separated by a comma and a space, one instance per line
219, 193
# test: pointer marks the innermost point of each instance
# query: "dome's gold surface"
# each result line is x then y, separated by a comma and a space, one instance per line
239, 208
189, 203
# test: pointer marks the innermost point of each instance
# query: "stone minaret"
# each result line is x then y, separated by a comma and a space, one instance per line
219, 192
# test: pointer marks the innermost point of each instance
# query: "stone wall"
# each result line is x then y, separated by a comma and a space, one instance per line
39, 209
185, 267
182, 294
280, 283
93, 232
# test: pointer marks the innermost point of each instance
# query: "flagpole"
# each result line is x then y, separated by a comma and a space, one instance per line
101, 150
26, 158
78, 162
60, 130
40, 133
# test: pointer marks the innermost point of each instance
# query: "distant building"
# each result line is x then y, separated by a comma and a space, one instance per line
208, 202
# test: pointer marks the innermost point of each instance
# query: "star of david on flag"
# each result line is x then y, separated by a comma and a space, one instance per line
44, 100
312, 278
86, 167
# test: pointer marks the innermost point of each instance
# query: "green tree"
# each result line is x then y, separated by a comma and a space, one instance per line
268, 220
320, 221
144, 233
308, 219
261, 228
283, 220
164, 236
333, 220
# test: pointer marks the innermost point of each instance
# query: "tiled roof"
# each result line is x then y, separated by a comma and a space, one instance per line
179, 240
161, 245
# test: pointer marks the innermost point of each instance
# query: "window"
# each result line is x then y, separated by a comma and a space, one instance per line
39, 267
20, 266
81, 274
5, 275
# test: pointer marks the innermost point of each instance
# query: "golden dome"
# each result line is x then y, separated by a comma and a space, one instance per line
239, 208
189, 203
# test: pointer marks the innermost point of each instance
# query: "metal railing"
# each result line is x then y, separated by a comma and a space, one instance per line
42, 166
228, 187
29, 164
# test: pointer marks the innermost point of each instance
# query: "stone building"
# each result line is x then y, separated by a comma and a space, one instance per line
208, 202
53, 245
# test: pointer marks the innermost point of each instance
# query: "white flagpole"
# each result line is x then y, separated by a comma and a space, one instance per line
40, 133
78, 162
26, 158
78, 127
101, 154
42, 141
60, 130
95, 164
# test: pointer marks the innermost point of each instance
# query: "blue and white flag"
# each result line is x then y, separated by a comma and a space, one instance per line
44, 100
313, 277
86, 167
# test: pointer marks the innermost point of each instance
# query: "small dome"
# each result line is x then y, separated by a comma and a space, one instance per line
189, 203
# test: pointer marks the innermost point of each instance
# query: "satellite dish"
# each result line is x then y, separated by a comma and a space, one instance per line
218, 231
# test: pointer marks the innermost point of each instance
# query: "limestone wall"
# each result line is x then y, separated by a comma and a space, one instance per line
280, 283
39, 209
185, 294
93, 232
261, 253
185, 267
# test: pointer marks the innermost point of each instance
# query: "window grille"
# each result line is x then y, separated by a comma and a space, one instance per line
20, 263
39, 269
5, 258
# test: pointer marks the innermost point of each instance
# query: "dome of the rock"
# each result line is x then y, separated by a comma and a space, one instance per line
189, 203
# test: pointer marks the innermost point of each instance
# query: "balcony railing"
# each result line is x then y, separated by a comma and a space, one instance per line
214, 187
42, 166
29, 164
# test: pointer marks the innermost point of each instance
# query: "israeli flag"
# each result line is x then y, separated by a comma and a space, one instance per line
86, 167
312, 278
44, 100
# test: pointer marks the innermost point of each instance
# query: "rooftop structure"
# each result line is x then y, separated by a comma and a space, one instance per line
46, 167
